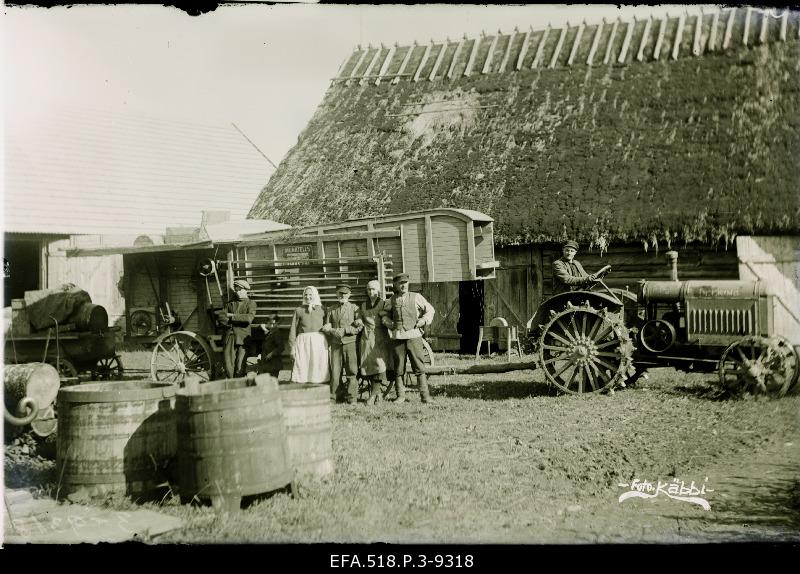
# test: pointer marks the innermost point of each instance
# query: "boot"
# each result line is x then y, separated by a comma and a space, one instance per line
401, 390
375, 393
424, 392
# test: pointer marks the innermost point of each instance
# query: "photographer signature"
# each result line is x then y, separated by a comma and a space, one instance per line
675, 489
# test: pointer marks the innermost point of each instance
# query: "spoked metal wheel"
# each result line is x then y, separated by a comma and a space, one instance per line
759, 366
108, 369
179, 353
585, 350
66, 369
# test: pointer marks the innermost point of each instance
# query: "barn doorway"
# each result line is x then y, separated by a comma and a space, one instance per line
21, 268
470, 302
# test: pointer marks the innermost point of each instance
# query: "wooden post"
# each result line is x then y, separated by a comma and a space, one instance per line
455, 56
371, 65
784, 24
559, 44
370, 241
660, 38
645, 39
626, 42
404, 63
472, 54
576, 43
507, 53
712, 38
762, 36
540, 49
422, 61
358, 63
339, 71
611, 41
487, 65
595, 43
676, 45
726, 40
698, 28
429, 248
473, 266
523, 50
746, 33
386, 61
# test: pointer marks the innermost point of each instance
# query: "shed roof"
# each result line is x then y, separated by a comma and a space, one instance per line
81, 171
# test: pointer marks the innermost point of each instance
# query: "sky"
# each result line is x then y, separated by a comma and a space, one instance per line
264, 68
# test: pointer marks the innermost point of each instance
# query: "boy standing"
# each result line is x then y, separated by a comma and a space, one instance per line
271, 348
341, 328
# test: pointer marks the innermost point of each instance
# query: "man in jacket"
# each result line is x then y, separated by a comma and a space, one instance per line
405, 315
341, 327
569, 274
237, 317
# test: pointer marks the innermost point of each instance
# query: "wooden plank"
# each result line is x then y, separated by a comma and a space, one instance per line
595, 43
746, 33
358, 63
662, 28
678, 36
403, 64
626, 42
438, 62
559, 44
452, 67
507, 52
645, 39
472, 263
429, 248
784, 24
423, 61
726, 39
343, 236
576, 43
540, 48
712, 38
610, 44
472, 54
762, 36
698, 27
385, 65
523, 50
372, 62
488, 63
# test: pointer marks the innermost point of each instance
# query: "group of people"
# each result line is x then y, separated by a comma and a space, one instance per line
338, 344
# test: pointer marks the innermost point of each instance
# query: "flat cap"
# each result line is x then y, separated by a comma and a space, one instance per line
401, 278
570, 243
342, 288
241, 284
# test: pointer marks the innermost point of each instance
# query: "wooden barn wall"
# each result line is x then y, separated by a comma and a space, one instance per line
391, 246
416, 259
525, 277
101, 277
443, 333
776, 261
450, 253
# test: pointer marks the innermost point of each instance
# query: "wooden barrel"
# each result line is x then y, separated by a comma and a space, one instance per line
89, 317
307, 416
231, 441
115, 438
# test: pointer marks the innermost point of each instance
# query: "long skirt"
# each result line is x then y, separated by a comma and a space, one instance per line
311, 359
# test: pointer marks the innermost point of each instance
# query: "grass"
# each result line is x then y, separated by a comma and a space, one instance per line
504, 459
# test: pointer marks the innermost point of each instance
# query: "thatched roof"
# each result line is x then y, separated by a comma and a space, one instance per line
687, 132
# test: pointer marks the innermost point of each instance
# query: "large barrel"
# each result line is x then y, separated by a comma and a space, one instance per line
37, 381
231, 441
115, 438
307, 416
90, 317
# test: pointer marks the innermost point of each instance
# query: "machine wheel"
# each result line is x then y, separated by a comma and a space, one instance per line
65, 368
178, 353
759, 366
657, 336
108, 369
585, 350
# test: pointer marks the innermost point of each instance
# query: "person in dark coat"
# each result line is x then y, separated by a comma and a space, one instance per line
569, 274
272, 348
237, 317
342, 327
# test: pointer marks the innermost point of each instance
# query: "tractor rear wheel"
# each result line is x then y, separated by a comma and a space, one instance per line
585, 350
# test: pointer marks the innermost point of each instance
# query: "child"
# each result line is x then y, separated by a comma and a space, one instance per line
341, 328
308, 345
237, 316
373, 343
271, 348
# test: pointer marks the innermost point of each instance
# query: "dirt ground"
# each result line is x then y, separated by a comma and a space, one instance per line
505, 459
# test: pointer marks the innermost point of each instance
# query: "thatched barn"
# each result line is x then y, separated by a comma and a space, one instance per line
631, 137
